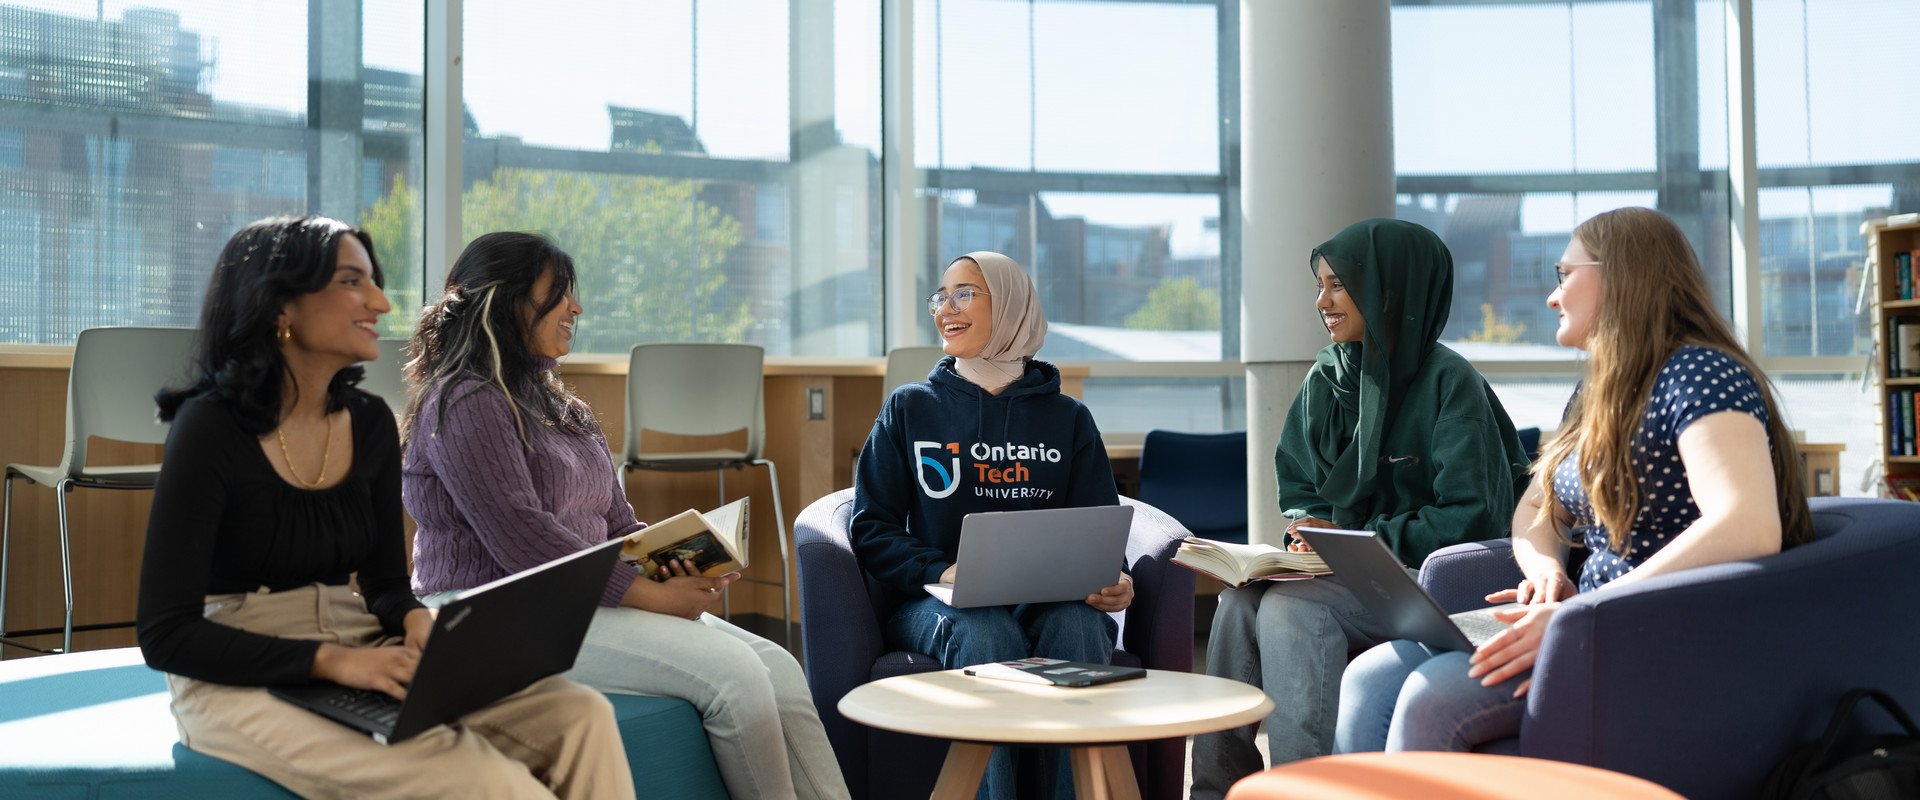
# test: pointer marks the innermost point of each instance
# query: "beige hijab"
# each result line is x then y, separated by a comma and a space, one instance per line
1019, 327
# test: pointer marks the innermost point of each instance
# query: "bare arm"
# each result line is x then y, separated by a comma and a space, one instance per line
1540, 551
1730, 471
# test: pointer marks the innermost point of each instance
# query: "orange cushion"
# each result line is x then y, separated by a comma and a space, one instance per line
1441, 776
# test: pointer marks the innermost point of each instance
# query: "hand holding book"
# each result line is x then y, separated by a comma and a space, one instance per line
1236, 564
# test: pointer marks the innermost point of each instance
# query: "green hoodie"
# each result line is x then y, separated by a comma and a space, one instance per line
1397, 434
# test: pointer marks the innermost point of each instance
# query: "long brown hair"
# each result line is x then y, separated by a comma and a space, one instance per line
1653, 301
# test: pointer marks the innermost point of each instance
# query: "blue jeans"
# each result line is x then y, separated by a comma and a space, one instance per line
1404, 695
959, 637
1291, 639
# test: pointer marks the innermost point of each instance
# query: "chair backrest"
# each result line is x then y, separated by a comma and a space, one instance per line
908, 365
1530, 442
695, 389
385, 376
110, 388
1199, 479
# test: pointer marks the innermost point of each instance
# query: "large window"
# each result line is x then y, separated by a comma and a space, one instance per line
1515, 122
1096, 166
1836, 145
712, 167
136, 137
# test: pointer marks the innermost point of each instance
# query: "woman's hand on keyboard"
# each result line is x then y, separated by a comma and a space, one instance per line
419, 623
1551, 588
1513, 651
382, 669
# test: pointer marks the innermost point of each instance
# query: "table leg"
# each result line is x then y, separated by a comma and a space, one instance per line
1121, 784
960, 775
1089, 773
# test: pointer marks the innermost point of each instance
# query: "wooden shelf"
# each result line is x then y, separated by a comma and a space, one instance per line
1883, 243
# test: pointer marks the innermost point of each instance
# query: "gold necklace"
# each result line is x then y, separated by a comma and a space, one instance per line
324, 456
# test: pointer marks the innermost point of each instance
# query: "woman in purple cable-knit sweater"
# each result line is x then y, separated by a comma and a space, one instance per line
505, 469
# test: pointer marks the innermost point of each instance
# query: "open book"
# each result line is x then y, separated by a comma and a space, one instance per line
714, 542
1236, 564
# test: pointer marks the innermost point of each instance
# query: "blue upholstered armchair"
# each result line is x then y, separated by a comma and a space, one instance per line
1703, 680
841, 634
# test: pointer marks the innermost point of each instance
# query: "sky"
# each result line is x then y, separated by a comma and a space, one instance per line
1079, 85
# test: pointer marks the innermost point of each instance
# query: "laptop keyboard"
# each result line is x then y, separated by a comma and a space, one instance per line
1479, 624
379, 707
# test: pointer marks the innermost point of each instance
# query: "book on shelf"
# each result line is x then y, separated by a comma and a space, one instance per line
1237, 564
1903, 275
714, 542
1903, 485
1907, 421
1903, 347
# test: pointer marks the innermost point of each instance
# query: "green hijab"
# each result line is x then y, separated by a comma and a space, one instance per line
1400, 276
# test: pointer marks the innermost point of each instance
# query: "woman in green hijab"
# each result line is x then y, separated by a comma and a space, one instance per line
1392, 432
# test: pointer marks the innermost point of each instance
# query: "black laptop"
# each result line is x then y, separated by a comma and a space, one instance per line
488, 642
1378, 580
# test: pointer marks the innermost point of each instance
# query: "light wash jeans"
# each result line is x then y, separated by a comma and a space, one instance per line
752, 697
1291, 639
1405, 695
959, 637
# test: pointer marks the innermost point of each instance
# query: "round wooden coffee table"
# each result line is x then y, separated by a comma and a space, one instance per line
1095, 722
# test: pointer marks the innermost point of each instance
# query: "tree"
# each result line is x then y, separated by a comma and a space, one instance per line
1495, 330
1178, 305
396, 242
632, 242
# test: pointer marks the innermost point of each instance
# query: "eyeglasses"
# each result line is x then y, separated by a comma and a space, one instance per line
1560, 269
960, 300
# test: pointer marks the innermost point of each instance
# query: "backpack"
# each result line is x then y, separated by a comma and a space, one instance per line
1876, 767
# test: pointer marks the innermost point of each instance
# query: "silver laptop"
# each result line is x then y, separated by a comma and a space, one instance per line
1043, 556
1377, 578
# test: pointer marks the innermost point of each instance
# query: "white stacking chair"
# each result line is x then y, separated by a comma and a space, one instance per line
700, 389
907, 365
110, 389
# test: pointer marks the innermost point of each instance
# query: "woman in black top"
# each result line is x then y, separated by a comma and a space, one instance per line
281, 481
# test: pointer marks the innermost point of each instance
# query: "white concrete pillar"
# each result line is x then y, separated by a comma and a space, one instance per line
1316, 105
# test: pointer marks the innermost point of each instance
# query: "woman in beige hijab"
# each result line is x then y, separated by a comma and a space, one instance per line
988, 430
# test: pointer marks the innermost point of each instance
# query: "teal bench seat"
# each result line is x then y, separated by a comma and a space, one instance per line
95, 725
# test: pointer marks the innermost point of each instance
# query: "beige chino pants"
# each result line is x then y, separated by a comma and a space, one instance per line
555, 738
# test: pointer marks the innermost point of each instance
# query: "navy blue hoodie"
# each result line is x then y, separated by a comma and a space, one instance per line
947, 448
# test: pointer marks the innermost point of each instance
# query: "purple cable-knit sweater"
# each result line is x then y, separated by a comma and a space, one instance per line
488, 507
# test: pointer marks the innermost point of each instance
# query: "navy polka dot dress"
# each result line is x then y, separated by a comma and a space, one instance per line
1695, 382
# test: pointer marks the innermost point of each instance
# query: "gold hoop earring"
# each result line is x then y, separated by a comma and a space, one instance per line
285, 334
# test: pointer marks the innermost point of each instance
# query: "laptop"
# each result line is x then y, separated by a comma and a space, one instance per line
1377, 578
488, 642
1042, 556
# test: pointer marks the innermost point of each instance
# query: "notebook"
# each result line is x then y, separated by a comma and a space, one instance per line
1042, 556
1375, 576
488, 642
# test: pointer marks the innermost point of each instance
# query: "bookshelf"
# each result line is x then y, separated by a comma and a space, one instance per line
1893, 264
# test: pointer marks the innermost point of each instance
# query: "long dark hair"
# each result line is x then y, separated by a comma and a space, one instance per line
263, 267
478, 333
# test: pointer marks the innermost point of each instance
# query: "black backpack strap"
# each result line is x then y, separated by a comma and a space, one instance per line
1845, 711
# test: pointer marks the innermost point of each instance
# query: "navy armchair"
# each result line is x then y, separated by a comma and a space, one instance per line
1199, 479
1703, 680
841, 636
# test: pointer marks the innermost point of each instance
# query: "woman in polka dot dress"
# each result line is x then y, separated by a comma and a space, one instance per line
1672, 455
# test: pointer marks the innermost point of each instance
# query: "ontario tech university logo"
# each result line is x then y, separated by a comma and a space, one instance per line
949, 475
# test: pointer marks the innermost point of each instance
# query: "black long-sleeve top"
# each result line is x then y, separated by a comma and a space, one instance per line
223, 522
